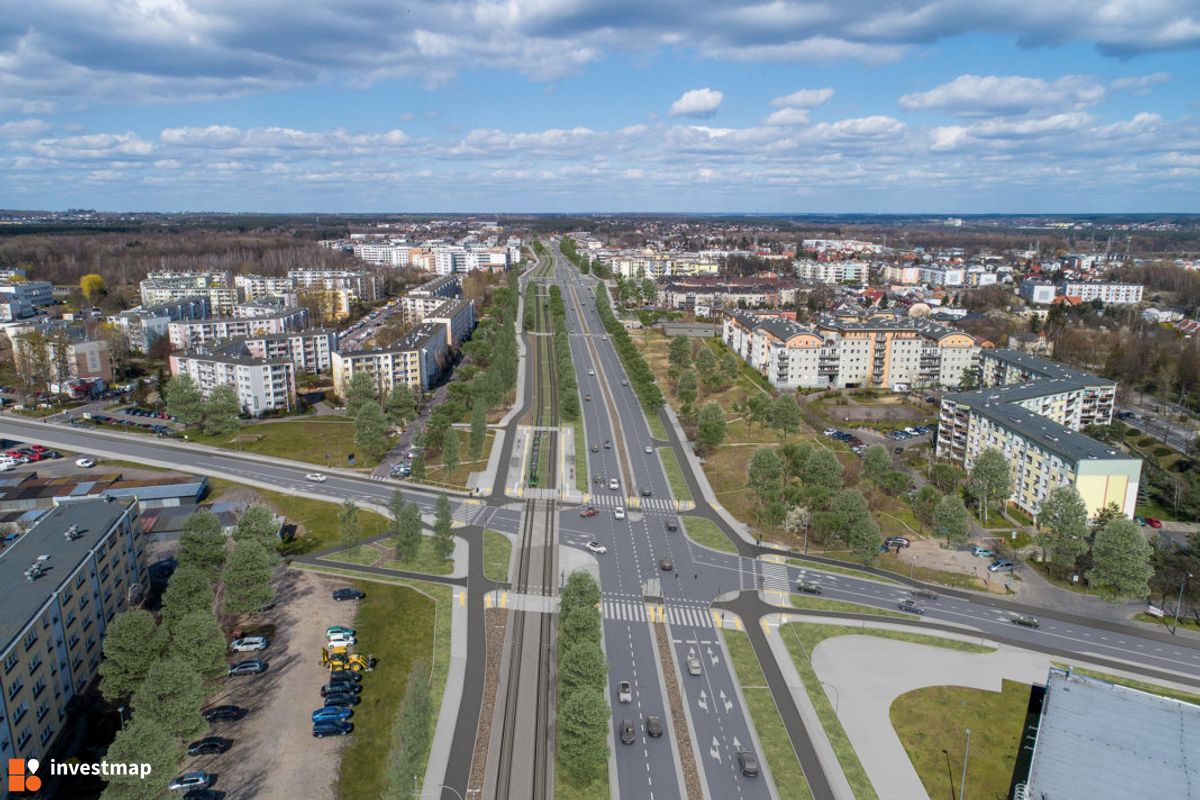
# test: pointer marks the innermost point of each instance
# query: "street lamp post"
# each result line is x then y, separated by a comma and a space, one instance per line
837, 696
962, 782
1179, 600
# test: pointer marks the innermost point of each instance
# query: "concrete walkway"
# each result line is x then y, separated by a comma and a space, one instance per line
867, 673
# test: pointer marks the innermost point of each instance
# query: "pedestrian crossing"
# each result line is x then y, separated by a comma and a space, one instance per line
775, 576
634, 611
660, 504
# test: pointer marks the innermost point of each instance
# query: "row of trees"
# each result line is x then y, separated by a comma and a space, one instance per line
372, 418
693, 366
640, 375
564, 364
583, 712
567, 245
216, 415
164, 668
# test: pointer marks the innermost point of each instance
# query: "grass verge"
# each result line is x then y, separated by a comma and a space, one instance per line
797, 562
497, 552
931, 724
581, 473
810, 603
324, 440
657, 429
800, 640
777, 747
670, 465
705, 532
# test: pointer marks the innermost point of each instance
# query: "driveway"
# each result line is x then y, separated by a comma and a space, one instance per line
274, 753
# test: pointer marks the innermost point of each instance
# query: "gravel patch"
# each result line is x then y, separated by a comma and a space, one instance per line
683, 736
495, 621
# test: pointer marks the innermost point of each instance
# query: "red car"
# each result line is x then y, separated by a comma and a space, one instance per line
590, 511
37, 448
1153, 523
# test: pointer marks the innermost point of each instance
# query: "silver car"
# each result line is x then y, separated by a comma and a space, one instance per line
693, 665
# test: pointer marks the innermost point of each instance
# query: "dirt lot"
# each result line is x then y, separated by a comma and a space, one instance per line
274, 754
928, 553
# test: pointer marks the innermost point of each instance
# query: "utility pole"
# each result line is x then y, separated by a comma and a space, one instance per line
1179, 600
962, 782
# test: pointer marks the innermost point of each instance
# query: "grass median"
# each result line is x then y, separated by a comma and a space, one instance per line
670, 465
705, 532
809, 603
497, 553
777, 746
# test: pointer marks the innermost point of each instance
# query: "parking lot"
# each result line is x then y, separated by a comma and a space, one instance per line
274, 753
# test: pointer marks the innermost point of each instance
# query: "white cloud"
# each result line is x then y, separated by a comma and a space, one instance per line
279, 139
805, 98
94, 146
787, 116
23, 129
699, 103
1139, 84
1009, 94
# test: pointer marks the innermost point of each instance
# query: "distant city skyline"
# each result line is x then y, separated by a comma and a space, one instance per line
922, 106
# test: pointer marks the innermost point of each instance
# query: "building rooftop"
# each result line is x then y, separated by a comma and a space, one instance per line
47, 543
1046, 433
415, 339
1045, 368
1096, 739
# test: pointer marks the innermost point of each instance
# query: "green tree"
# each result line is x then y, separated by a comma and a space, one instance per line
418, 468
990, 480
450, 452
576, 623
171, 695
401, 406
785, 414
247, 578
849, 521
1121, 561
583, 735
199, 642
894, 482
685, 390
348, 523
478, 429
765, 474
189, 589
183, 399
142, 741
823, 470
360, 389
729, 368
1063, 528
924, 502
410, 734
706, 369
202, 543
406, 530
443, 534
370, 430
758, 409
679, 356
710, 428
951, 520
876, 462
944, 477
258, 523
581, 664
221, 411
580, 591
795, 456
132, 643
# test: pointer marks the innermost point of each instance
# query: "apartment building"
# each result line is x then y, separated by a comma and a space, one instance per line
904, 274
1037, 292
166, 287
311, 350
257, 287
458, 316
1108, 293
430, 296
832, 272
64, 580
188, 333
262, 384
941, 275
58, 355
143, 326
415, 360
689, 293
898, 354
653, 264
342, 288
1033, 409
20, 299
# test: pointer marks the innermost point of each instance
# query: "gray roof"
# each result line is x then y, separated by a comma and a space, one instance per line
1044, 367
415, 339
1048, 434
23, 598
1096, 739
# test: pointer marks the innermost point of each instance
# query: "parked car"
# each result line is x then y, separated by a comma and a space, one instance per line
331, 727
1000, 565
1140, 520
911, 606
342, 699
595, 547
341, 687
748, 762
223, 714
202, 794
345, 630
624, 692
1153, 522
346, 593
252, 667
209, 745
339, 639
982, 552
85, 463
896, 541
344, 676
197, 779
654, 726
248, 644
1026, 621
628, 732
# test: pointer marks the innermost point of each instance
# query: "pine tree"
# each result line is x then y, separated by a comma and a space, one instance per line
132, 643
478, 429
450, 452
171, 696
199, 642
142, 741
189, 589
221, 411
370, 430
360, 389
183, 399
443, 535
202, 543
247, 578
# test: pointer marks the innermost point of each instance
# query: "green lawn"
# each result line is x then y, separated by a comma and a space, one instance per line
324, 440
435, 470
657, 429
396, 625
497, 551
796, 562
705, 532
315, 519
777, 747
581, 473
800, 640
932, 722
670, 465
426, 561
807, 601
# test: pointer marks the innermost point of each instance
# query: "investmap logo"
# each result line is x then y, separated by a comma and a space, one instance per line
22, 775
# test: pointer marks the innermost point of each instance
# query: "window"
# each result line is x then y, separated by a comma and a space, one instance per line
30, 639
34, 663
42, 711
23, 739
39, 687
10, 662
46, 735
15, 687
19, 712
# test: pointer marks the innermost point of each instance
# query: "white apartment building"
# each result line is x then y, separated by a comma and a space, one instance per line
188, 333
143, 326
262, 385
430, 296
1107, 293
343, 288
896, 354
832, 272
903, 274
257, 287
311, 350
167, 287
25, 296
458, 317
1037, 292
941, 275
416, 360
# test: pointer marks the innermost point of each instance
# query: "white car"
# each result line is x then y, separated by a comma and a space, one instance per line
613, 485
86, 463
619, 513
649, 450
595, 547
315, 477
340, 639
248, 644
591, 372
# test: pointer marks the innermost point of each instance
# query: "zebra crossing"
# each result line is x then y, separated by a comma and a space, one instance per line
635, 503
634, 611
775, 576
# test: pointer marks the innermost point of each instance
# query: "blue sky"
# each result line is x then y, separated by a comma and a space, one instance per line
954, 106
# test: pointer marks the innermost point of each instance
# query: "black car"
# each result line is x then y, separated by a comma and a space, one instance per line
748, 762
645, 491
208, 746
252, 667
342, 699
347, 593
223, 714
341, 687
911, 606
332, 727
654, 726
202, 794
1026, 621
925, 594
809, 588
344, 676
628, 732
672, 525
